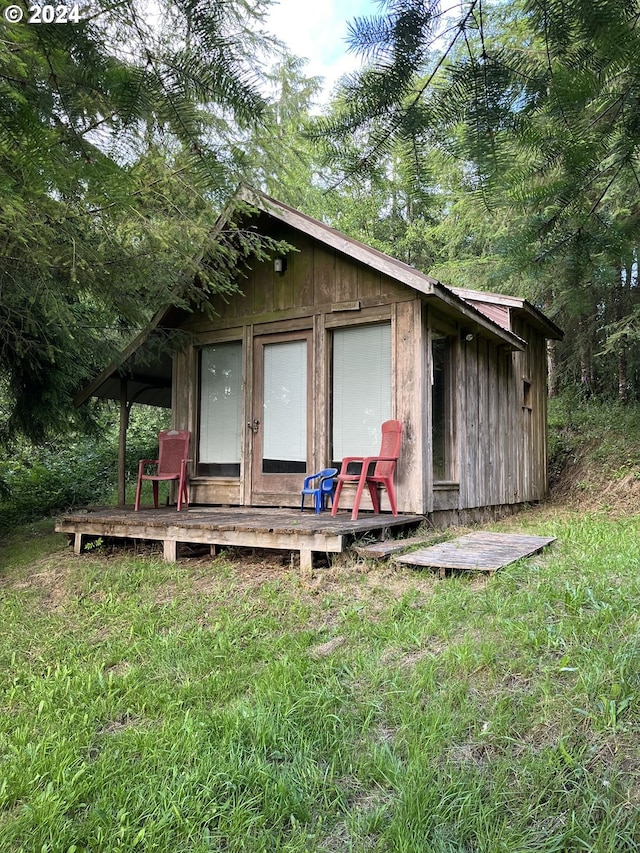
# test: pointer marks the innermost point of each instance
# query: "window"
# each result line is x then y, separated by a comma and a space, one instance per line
361, 389
220, 409
442, 408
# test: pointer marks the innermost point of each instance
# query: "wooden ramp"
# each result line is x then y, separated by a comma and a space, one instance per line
479, 552
382, 550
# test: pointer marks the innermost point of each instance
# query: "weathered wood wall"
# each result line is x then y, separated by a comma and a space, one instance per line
321, 290
500, 442
502, 436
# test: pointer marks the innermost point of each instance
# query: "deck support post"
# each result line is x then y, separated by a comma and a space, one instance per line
77, 543
122, 442
306, 562
170, 547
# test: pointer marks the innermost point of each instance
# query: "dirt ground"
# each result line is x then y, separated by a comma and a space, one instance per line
585, 487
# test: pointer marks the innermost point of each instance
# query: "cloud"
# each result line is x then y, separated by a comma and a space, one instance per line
317, 31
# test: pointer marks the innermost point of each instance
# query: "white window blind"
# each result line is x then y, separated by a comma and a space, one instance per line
221, 403
285, 401
361, 388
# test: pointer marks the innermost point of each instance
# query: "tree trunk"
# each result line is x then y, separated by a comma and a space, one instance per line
620, 309
586, 364
552, 369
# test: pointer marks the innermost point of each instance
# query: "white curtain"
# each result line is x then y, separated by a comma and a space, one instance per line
361, 388
221, 403
285, 401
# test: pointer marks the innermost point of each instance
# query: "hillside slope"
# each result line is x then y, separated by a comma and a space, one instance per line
594, 456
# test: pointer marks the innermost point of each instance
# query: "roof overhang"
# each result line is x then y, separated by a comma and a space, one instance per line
142, 373
423, 284
148, 380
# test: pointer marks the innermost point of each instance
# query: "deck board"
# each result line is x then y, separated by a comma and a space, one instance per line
389, 547
479, 551
253, 527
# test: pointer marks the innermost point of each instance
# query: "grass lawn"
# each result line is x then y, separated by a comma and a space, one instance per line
227, 705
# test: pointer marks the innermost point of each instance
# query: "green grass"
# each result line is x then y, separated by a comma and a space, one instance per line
207, 706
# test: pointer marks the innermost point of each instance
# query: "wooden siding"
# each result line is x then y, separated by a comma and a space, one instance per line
500, 443
408, 388
321, 290
317, 280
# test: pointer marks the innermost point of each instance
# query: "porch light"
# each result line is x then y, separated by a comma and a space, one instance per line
467, 336
280, 265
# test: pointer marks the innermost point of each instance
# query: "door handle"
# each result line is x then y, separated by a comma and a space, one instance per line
253, 425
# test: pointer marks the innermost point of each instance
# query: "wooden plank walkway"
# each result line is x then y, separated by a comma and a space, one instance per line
382, 550
484, 552
252, 527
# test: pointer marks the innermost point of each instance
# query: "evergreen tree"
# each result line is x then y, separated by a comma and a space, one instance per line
277, 156
115, 145
538, 99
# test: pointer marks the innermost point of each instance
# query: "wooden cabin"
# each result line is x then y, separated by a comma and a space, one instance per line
302, 366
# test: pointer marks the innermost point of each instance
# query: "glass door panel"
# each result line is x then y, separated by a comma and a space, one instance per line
361, 389
221, 390
443, 422
281, 442
284, 408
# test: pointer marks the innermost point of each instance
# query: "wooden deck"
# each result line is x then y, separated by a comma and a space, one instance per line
252, 527
485, 552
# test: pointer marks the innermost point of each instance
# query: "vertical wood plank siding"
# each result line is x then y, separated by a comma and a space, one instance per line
502, 442
409, 387
470, 495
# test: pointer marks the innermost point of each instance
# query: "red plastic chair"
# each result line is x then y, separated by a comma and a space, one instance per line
375, 471
171, 464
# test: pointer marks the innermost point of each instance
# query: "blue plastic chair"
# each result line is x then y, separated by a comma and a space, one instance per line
325, 488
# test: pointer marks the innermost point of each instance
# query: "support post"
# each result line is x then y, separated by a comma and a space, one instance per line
122, 443
170, 549
306, 563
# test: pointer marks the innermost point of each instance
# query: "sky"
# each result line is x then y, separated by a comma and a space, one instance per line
317, 30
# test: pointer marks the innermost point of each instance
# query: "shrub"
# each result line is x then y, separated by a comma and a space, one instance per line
40, 481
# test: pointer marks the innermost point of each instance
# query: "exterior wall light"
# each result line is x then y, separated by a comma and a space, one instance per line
280, 265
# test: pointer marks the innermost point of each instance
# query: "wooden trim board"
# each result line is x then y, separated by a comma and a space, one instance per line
382, 550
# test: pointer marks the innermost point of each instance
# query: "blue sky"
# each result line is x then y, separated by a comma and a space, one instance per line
317, 29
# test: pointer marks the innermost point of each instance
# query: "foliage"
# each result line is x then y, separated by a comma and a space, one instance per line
595, 441
228, 706
116, 136
37, 481
277, 157
537, 102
